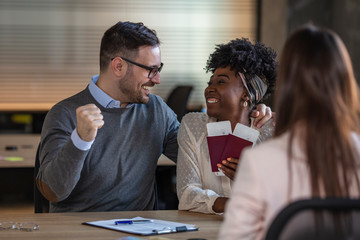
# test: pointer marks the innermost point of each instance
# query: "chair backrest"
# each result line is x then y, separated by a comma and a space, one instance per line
41, 204
178, 99
314, 219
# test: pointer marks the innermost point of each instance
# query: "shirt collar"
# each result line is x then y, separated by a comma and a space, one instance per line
100, 96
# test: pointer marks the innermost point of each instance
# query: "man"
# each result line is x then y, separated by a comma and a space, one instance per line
99, 148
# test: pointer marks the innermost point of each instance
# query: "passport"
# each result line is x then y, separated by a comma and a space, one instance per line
224, 143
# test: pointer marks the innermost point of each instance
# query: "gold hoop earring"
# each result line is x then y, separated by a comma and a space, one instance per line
245, 104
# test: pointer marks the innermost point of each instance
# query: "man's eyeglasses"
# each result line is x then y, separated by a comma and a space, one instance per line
152, 70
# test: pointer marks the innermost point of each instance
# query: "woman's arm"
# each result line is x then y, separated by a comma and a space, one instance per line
192, 196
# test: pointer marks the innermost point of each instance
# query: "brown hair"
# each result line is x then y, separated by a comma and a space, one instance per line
317, 90
125, 38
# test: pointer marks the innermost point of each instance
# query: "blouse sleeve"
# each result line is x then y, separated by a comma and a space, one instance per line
190, 190
244, 214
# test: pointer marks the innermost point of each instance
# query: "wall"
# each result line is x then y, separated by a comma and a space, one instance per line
49, 49
280, 17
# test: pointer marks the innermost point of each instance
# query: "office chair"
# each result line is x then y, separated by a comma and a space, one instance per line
41, 204
178, 99
312, 219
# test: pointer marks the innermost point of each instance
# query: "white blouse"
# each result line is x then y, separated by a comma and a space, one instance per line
197, 186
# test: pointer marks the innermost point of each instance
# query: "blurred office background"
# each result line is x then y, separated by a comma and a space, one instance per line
49, 49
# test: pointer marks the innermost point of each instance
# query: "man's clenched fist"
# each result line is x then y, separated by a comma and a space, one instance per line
89, 120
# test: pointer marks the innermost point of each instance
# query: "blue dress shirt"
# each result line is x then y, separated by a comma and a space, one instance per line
104, 100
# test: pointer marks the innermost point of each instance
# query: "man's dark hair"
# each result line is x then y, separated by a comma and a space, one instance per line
241, 55
124, 39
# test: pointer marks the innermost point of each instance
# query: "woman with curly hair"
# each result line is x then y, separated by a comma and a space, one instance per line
316, 148
243, 75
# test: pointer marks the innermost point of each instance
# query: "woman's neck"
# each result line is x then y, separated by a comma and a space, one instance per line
243, 117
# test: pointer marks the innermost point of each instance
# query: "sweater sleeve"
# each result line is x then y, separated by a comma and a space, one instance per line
60, 161
172, 126
192, 196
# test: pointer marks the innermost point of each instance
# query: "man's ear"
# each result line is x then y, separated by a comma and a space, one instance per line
118, 67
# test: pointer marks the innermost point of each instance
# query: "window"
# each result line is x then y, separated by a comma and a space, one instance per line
49, 49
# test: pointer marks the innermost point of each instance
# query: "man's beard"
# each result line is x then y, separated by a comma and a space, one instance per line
133, 95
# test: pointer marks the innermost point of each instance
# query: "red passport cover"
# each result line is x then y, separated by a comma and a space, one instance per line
216, 146
233, 147
222, 147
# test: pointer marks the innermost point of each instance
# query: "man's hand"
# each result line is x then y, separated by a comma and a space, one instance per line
262, 114
228, 167
89, 120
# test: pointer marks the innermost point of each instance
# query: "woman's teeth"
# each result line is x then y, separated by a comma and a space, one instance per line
212, 100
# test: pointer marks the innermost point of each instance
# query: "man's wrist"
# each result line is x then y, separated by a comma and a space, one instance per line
79, 143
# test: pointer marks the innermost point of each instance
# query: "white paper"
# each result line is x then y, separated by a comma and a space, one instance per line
218, 128
147, 228
246, 133
219, 173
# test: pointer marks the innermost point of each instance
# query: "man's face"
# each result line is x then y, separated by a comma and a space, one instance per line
136, 83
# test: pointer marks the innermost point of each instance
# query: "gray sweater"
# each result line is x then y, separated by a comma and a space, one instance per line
118, 172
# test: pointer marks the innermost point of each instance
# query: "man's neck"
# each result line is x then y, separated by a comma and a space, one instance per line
106, 84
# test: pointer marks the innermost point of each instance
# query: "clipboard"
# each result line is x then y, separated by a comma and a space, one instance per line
144, 226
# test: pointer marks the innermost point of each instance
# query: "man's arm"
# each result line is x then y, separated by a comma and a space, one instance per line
172, 127
61, 161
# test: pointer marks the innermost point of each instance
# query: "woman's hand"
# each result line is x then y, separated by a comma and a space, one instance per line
219, 204
228, 167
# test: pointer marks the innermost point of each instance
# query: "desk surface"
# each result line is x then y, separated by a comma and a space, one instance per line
68, 225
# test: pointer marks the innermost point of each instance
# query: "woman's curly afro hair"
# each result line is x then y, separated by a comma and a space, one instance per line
241, 54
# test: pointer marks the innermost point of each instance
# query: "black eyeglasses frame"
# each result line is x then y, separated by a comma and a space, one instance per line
150, 69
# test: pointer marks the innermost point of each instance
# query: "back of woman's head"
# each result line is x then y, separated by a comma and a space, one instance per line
317, 90
316, 81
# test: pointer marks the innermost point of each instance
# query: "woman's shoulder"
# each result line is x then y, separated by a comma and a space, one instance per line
195, 117
194, 123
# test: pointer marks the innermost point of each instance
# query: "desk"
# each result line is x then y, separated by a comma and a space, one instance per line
68, 225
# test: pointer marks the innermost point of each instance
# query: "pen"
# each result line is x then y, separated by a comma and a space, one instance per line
170, 230
133, 221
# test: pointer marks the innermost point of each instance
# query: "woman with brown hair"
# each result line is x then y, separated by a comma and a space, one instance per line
316, 149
